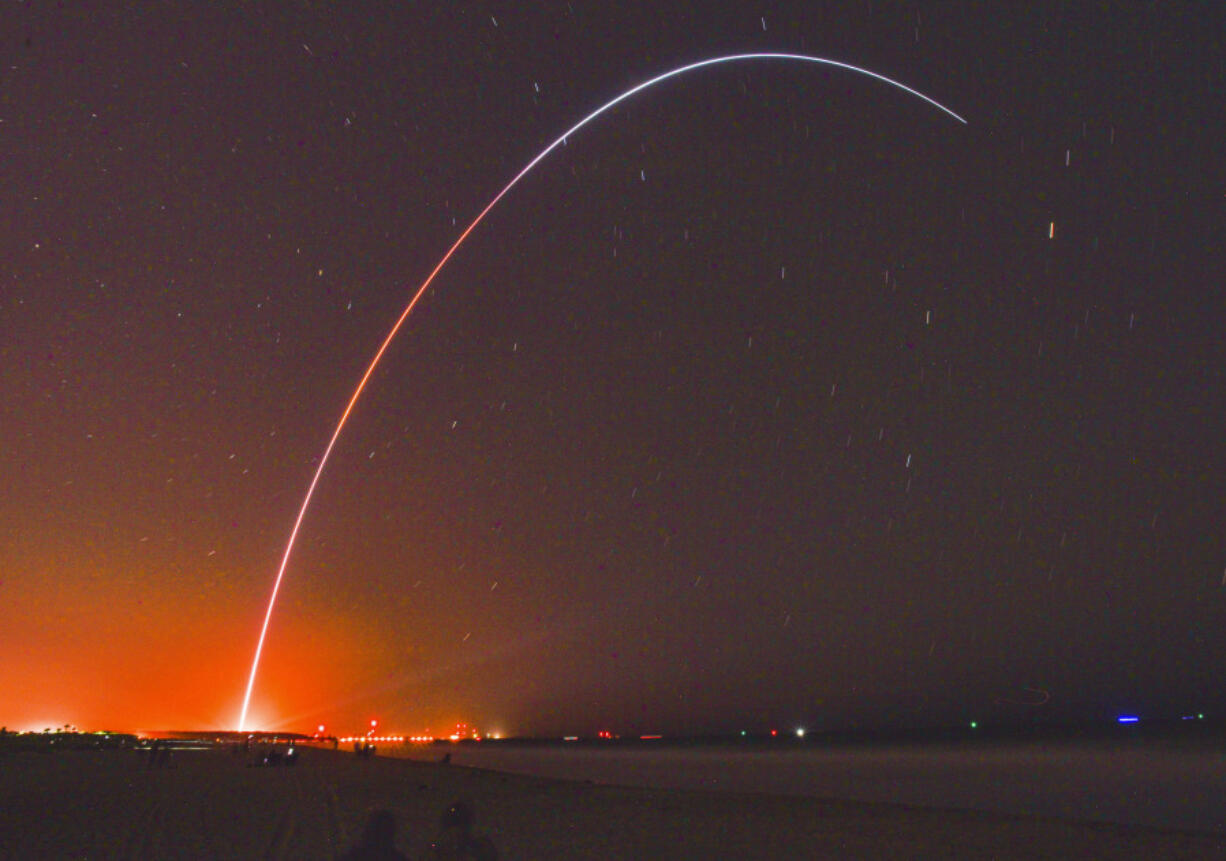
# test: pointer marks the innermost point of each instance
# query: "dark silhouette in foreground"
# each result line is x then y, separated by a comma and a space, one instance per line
272, 758
378, 841
456, 839
160, 756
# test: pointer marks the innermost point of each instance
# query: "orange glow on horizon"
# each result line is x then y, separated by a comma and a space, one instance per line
165, 666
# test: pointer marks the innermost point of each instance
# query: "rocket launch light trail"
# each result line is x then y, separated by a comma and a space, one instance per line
323, 461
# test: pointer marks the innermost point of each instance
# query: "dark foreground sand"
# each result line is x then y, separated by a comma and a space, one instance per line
108, 804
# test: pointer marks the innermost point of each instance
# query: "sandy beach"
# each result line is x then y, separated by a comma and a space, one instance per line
211, 804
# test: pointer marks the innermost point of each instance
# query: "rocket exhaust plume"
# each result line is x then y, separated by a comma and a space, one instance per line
357, 393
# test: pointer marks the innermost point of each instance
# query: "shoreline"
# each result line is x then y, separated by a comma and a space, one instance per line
110, 803
1158, 786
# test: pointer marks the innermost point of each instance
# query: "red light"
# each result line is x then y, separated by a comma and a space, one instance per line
774, 732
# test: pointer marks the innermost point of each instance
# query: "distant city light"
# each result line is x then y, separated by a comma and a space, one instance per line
800, 732
1128, 719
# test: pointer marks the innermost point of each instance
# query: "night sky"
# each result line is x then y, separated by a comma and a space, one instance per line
776, 397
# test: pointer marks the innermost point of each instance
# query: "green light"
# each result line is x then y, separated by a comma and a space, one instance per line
742, 732
974, 724
1200, 717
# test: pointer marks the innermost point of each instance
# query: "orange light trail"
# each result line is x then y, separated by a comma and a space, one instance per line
425, 285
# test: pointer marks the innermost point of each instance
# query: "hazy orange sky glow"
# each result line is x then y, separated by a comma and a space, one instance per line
775, 397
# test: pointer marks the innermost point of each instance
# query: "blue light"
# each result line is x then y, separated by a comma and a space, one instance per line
1128, 719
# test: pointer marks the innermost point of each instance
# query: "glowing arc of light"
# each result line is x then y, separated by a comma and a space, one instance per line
425, 285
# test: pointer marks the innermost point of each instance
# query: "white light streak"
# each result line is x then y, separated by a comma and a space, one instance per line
421, 290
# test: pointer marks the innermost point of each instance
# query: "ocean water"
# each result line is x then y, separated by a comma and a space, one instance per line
1167, 786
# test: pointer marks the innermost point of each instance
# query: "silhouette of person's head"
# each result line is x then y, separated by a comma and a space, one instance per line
378, 840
